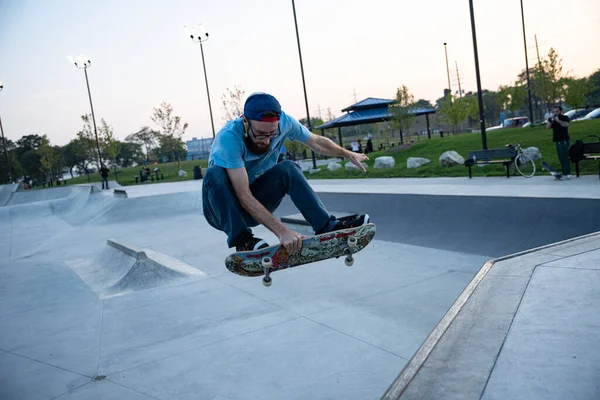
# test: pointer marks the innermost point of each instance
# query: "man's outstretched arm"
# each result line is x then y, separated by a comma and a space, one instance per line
324, 145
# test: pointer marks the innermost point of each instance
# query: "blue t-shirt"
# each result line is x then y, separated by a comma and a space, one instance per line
229, 150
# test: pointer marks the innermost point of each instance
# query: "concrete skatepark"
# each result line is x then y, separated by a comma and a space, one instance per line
472, 289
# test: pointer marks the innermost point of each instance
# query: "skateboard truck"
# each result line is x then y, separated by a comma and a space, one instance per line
348, 251
267, 263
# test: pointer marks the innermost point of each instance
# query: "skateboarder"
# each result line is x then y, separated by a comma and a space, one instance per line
560, 136
244, 184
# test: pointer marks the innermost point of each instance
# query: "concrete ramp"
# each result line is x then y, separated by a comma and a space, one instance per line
491, 226
7, 190
131, 209
525, 327
41, 195
122, 268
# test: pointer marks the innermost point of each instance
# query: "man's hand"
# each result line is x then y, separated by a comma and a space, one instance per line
292, 241
356, 159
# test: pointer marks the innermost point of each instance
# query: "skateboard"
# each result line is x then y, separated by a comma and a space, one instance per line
552, 171
343, 242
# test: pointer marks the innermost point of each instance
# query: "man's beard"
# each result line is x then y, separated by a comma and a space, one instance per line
254, 148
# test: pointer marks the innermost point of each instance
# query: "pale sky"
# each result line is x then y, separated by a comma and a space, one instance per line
141, 55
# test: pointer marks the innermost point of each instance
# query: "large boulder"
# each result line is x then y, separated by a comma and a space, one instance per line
385, 162
314, 170
334, 166
416, 162
451, 157
352, 167
182, 173
533, 153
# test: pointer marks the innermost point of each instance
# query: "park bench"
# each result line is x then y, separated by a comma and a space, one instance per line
504, 156
581, 151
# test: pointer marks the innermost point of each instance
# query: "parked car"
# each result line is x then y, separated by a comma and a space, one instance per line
516, 122
591, 115
577, 113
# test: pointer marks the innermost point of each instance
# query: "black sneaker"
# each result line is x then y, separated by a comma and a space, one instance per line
251, 243
351, 221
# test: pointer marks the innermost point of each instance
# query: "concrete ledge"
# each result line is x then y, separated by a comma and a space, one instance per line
120, 193
127, 248
459, 355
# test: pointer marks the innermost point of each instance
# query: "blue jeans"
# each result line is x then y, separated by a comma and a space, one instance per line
224, 212
562, 148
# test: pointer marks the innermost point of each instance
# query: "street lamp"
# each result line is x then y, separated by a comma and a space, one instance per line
479, 96
4, 143
82, 62
199, 34
303, 82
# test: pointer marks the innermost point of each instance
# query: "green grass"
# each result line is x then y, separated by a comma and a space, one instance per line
126, 176
432, 149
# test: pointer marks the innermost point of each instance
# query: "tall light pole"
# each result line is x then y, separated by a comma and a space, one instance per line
479, 94
303, 81
199, 34
84, 63
4, 144
527, 65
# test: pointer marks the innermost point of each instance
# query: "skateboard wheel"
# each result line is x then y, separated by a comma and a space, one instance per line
352, 242
267, 281
266, 262
349, 261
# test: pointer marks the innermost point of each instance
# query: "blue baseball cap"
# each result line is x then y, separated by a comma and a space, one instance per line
258, 104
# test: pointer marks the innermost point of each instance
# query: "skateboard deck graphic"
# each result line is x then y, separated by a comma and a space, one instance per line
552, 171
343, 242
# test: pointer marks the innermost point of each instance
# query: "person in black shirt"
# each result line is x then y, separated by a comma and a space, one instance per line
560, 136
104, 175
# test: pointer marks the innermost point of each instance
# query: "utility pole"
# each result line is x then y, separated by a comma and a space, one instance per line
319, 110
458, 77
527, 66
447, 69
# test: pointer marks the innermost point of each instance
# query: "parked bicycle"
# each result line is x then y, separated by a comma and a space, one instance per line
523, 163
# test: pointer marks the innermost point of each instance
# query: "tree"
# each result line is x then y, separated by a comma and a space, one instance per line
51, 161
548, 74
422, 103
129, 153
456, 109
517, 95
171, 131
75, 154
87, 147
108, 143
15, 166
401, 110
145, 137
592, 98
232, 103
575, 91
